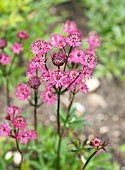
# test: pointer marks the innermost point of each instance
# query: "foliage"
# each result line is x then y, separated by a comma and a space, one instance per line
107, 17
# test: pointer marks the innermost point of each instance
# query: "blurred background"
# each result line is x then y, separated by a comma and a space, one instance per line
105, 102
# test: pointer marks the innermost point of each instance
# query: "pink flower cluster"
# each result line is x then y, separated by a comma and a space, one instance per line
73, 65
15, 127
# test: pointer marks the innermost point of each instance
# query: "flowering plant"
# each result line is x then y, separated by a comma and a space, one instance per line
71, 67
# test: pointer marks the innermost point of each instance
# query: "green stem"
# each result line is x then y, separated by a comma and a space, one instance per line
35, 108
88, 160
18, 148
69, 107
67, 58
59, 131
7, 91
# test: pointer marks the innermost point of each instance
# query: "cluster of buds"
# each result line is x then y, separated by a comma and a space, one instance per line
16, 126
73, 65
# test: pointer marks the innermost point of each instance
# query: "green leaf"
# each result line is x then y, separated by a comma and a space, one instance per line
103, 157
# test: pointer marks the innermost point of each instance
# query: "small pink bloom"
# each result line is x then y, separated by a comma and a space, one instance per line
76, 55
58, 78
22, 35
3, 43
58, 59
33, 134
45, 76
40, 47
17, 48
48, 95
94, 39
19, 122
5, 59
69, 26
87, 73
89, 59
22, 91
37, 61
11, 110
83, 87
97, 143
74, 39
31, 72
23, 136
34, 82
5, 129
57, 40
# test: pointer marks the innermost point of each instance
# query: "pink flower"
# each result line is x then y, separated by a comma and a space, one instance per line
89, 59
74, 39
34, 82
11, 110
23, 136
19, 122
22, 35
5, 129
40, 47
76, 56
57, 40
22, 91
83, 87
37, 61
31, 72
3, 43
33, 134
58, 78
97, 143
87, 73
17, 48
69, 26
94, 39
48, 95
5, 59
45, 75
58, 59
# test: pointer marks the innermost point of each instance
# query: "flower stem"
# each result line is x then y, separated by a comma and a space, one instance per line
88, 160
7, 91
59, 131
35, 108
18, 148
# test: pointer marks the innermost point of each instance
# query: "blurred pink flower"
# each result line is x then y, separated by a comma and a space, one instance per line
34, 82
74, 39
57, 40
19, 122
94, 39
5, 59
22, 35
11, 110
5, 129
40, 47
17, 48
3, 43
69, 26
23, 136
48, 95
23, 91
